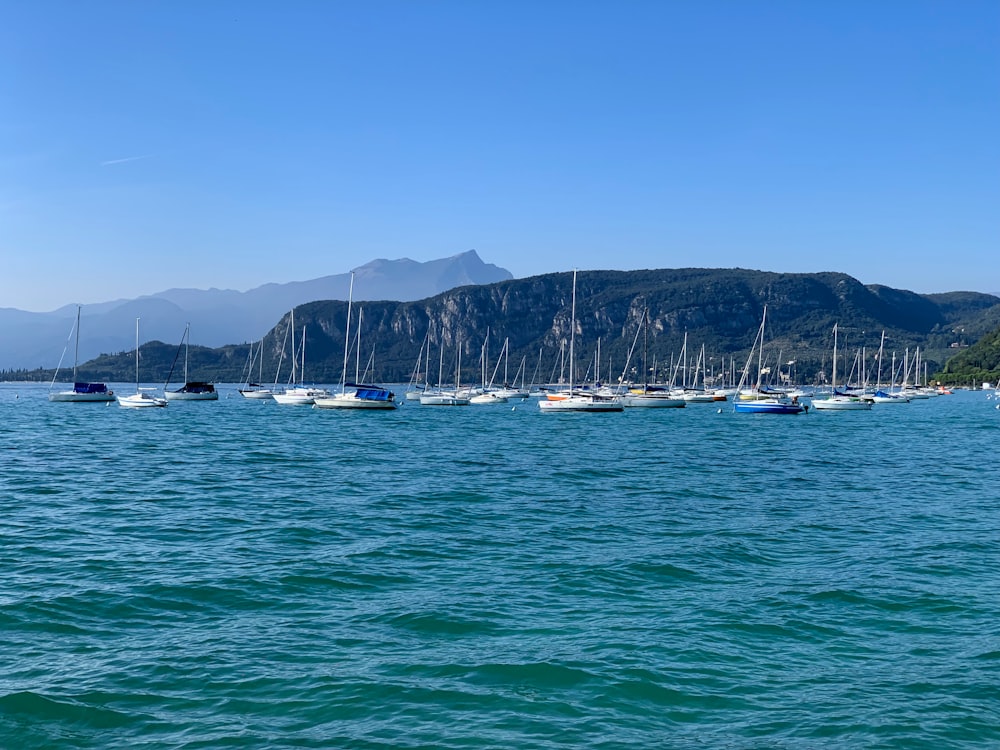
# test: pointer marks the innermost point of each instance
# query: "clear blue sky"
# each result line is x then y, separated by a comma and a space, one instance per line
149, 145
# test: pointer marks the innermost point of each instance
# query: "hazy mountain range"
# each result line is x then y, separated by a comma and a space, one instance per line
221, 316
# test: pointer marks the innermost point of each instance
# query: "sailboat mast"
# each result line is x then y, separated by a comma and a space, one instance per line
260, 356
440, 362
76, 355
572, 331
834, 358
187, 345
302, 368
357, 355
347, 332
760, 352
291, 328
136, 355
645, 350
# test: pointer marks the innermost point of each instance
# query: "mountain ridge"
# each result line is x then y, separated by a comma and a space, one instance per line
223, 316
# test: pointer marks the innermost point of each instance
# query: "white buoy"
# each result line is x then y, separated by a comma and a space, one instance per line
719, 411
514, 408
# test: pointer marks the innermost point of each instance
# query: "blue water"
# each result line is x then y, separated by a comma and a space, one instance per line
242, 574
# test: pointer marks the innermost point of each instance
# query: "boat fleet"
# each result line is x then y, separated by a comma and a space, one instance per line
751, 395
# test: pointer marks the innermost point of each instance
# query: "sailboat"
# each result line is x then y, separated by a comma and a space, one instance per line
355, 395
757, 400
882, 396
251, 389
648, 397
510, 388
571, 400
143, 397
298, 394
81, 392
415, 388
840, 401
192, 390
440, 397
487, 393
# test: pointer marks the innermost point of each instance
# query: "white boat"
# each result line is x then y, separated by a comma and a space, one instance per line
443, 398
510, 389
488, 397
81, 392
487, 394
646, 397
192, 390
886, 397
840, 401
573, 400
355, 395
652, 399
415, 387
298, 394
143, 397
446, 397
256, 390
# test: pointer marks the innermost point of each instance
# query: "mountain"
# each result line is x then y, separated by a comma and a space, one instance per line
222, 316
719, 308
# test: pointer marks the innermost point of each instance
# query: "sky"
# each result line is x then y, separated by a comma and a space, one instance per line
151, 145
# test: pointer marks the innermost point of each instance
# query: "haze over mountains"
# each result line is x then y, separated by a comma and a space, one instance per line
221, 316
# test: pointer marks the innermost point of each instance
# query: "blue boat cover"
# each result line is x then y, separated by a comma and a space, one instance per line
371, 392
90, 388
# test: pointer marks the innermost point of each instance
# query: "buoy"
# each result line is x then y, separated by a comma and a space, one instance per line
719, 411
514, 408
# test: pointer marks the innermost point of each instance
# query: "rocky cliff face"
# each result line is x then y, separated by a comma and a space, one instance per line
718, 308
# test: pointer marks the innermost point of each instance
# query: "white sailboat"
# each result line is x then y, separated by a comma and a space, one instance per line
577, 401
487, 394
192, 390
647, 397
840, 401
415, 388
441, 397
355, 395
81, 392
298, 394
143, 397
256, 390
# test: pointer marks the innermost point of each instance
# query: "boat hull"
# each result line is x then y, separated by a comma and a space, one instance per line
842, 404
260, 395
352, 402
766, 407
141, 401
443, 400
580, 404
652, 402
488, 398
82, 398
188, 396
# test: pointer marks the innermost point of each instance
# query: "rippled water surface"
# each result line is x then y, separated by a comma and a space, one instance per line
243, 574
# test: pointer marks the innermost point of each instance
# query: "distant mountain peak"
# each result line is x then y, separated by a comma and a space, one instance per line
223, 316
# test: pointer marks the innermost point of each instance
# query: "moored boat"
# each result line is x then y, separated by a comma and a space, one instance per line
757, 400
192, 390
575, 400
81, 392
143, 397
